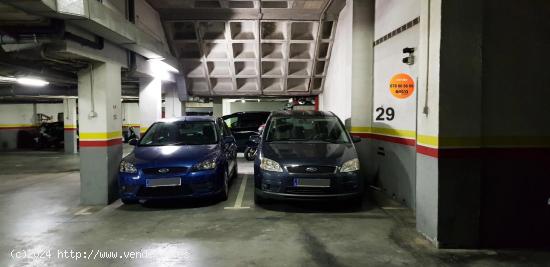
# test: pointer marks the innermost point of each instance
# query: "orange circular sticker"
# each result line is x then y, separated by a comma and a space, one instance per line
402, 86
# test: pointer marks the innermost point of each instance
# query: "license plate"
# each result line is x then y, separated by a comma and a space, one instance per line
163, 182
304, 182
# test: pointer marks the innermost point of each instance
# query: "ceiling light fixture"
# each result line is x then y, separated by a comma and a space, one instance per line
31, 82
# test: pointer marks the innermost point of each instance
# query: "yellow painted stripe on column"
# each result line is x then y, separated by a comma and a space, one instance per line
101, 136
361, 129
459, 142
15, 125
428, 140
385, 131
143, 129
395, 132
69, 126
131, 125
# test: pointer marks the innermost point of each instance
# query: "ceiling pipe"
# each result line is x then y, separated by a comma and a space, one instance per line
109, 25
56, 30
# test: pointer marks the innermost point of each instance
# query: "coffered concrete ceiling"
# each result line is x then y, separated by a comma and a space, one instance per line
251, 47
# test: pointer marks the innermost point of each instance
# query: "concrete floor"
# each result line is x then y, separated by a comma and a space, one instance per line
40, 212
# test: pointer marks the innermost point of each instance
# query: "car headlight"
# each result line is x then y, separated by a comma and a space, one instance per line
350, 165
270, 165
206, 165
127, 167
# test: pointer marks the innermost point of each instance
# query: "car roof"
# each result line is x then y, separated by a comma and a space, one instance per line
248, 113
190, 118
302, 113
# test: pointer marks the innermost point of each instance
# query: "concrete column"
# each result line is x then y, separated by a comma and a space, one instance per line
173, 105
150, 102
70, 125
217, 107
449, 121
362, 84
100, 125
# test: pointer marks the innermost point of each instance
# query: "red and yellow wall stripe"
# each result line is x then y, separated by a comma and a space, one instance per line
436, 146
89, 139
18, 126
69, 128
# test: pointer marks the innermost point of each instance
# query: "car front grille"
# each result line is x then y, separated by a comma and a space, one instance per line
311, 169
170, 170
308, 190
165, 191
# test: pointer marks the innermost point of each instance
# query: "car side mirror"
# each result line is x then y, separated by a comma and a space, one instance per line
356, 139
133, 142
255, 138
228, 139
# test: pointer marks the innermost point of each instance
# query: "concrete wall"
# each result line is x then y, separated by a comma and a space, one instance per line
394, 138
256, 106
130, 114
50, 110
339, 72
19, 119
148, 20
117, 5
515, 177
482, 133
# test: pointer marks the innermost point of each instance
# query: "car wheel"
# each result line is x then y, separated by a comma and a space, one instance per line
249, 153
129, 201
235, 171
224, 194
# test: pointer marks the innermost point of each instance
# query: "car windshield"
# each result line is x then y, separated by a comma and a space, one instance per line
306, 129
250, 121
180, 133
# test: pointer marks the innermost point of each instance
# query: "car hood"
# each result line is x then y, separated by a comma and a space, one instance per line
171, 155
324, 154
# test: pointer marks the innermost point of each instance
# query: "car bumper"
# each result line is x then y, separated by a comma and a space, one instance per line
275, 185
286, 196
193, 185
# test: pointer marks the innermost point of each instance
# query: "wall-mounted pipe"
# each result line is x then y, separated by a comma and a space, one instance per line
56, 30
108, 25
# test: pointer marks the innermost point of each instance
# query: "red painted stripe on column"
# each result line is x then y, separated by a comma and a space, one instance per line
317, 103
101, 143
526, 153
69, 129
391, 139
428, 151
19, 128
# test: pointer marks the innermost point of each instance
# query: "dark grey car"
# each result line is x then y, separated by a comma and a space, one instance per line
306, 155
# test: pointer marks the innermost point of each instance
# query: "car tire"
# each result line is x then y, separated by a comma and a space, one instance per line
129, 201
248, 154
224, 194
235, 171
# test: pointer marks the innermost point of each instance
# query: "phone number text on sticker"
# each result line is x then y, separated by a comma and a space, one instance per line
402, 85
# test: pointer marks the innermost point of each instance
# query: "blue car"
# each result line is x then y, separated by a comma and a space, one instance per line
186, 157
306, 155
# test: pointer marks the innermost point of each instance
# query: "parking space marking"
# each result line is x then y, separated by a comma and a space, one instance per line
83, 211
240, 196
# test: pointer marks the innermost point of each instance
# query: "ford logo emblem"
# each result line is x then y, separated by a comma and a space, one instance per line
164, 170
311, 169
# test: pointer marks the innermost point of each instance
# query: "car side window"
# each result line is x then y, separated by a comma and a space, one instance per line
226, 131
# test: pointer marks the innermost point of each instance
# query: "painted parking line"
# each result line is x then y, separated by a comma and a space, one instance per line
240, 196
83, 211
